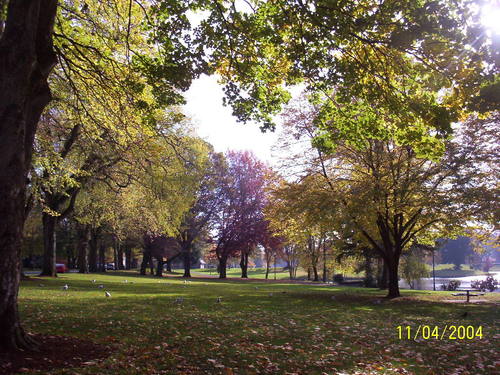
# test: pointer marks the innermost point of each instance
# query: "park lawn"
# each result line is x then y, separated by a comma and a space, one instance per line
298, 329
254, 273
260, 273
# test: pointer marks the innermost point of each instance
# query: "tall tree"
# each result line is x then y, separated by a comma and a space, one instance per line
393, 198
240, 216
26, 60
199, 219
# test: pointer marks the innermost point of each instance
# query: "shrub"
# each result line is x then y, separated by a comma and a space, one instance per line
452, 285
489, 284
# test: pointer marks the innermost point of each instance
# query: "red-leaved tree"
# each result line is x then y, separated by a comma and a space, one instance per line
239, 220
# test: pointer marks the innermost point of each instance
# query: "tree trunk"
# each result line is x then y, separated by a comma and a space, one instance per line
159, 267
267, 267
244, 265
69, 257
222, 267
151, 266
393, 280
169, 265
325, 276
128, 258
309, 273
119, 255
12, 335
49, 245
187, 260
83, 240
102, 257
146, 255
115, 255
316, 275
94, 236
26, 59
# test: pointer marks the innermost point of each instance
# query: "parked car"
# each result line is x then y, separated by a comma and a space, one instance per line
110, 266
61, 268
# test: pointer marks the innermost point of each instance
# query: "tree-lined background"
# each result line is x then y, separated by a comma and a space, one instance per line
391, 149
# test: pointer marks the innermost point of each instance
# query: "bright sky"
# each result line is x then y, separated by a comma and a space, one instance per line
216, 124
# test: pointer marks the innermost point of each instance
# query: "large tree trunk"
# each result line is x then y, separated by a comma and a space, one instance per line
26, 59
83, 240
49, 223
222, 267
393, 280
244, 265
187, 260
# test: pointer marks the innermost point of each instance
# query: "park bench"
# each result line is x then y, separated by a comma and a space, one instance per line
468, 293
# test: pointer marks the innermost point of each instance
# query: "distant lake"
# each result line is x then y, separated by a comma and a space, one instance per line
465, 282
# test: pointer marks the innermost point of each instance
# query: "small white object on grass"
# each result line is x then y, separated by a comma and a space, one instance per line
93, 281
256, 287
65, 287
126, 281
101, 286
377, 302
40, 285
179, 300
219, 299
107, 294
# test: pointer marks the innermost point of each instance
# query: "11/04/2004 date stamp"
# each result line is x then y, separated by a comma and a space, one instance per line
448, 332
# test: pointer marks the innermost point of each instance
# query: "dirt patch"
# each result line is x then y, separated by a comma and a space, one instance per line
54, 352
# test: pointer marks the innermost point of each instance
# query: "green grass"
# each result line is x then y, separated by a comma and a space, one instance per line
254, 273
301, 331
260, 273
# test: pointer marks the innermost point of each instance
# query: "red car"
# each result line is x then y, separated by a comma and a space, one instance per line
61, 268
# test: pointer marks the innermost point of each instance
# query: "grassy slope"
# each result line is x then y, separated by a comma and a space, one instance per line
301, 331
